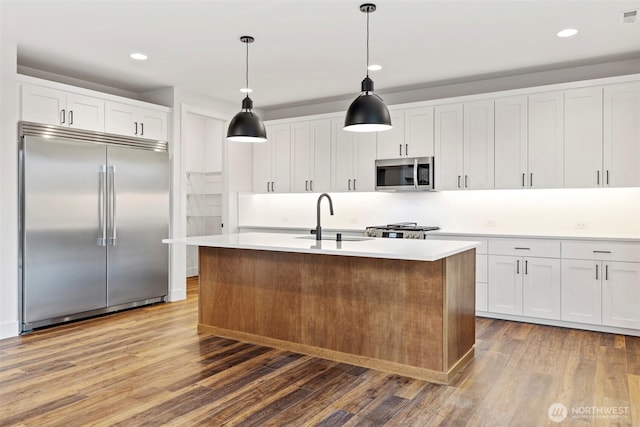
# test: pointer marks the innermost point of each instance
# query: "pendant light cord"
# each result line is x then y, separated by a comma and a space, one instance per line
247, 69
368, 44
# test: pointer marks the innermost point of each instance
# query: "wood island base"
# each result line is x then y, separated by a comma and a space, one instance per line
412, 318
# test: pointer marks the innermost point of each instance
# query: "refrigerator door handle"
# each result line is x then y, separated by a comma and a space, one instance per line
102, 171
112, 241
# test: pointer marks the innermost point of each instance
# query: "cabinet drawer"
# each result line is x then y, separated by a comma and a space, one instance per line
525, 247
601, 251
482, 249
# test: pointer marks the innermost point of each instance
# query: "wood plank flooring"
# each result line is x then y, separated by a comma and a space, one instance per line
149, 367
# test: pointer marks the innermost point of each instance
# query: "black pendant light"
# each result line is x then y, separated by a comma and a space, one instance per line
246, 126
367, 113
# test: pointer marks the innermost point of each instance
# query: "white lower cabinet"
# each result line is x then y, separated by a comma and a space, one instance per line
482, 287
505, 284
581, 291
541, 288
621, 294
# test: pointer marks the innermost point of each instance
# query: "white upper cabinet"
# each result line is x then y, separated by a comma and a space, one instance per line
272, 161
464, 141
583, 138
391, 143
311, 156
622, 135
546, 140
449, 143
131, 120
56, 107
511, 160
411, 136
354, 156
478, 149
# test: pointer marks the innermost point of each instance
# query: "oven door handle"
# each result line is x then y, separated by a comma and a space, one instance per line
415, 174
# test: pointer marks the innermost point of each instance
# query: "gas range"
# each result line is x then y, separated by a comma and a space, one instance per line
402, 230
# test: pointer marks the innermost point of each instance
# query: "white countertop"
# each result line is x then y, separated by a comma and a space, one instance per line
407, 249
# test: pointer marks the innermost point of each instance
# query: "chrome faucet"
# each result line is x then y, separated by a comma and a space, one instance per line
318, 227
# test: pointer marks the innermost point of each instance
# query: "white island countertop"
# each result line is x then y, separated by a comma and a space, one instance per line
407, 249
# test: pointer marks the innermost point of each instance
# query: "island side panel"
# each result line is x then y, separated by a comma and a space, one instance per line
379, 308
460, 302
257, 292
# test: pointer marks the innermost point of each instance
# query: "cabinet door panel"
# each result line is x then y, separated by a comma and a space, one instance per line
581, 291
280, 139
505, 284
365, 164
301, 147
583, 138
262, 165
391, 143
621, 295
343, 155
541, 288
418, 132
43, 105
86, 112
511, 142
478, 145
152, 124
321, 161
481, 297
546, 130
622, 135
448, 147
120, 118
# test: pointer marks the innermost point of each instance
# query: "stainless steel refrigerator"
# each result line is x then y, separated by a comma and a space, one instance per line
94, 210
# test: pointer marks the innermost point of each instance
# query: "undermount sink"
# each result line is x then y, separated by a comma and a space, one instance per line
333, 237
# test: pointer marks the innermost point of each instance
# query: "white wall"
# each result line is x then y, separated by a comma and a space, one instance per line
8, 191
598, 212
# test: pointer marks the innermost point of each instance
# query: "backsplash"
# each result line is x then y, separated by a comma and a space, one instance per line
606, 211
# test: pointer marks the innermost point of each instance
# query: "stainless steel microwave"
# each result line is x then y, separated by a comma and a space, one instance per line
406, 174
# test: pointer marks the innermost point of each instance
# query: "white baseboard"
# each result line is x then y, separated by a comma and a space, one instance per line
177, 295
9, 329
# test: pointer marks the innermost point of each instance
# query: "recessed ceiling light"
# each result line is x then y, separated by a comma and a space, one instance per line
374, 67
246, 90
138, 56
567, 32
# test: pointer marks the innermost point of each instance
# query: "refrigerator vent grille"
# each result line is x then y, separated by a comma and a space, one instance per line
51, 131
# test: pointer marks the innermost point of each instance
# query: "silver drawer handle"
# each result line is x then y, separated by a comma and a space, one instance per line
523, 249
601, 252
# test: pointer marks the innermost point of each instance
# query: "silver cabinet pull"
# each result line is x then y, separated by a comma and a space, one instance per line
607, 177
531, 179
522, 249
606, 272
113, 240
306, 186
136, 130
272, 183
354, 185
526, 267
400, 146
141, 129
406, 149
597, 177
70, 118
267, 186
596, 271
458, 181
349, 185
311, 185
601, 252
517, 266
523, 184
466, 181
62, 116
102, 194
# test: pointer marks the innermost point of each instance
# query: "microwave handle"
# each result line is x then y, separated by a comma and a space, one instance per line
415, 174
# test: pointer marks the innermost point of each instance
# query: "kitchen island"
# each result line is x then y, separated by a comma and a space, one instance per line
397, 305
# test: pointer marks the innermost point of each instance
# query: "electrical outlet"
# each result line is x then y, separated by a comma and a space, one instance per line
581, 225
491, 223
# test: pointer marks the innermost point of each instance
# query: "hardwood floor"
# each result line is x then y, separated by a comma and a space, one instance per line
149, 366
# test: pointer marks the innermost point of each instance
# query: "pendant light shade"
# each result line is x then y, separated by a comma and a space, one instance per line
246, 126
367, 113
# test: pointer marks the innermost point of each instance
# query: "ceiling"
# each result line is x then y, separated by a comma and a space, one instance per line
308, 49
